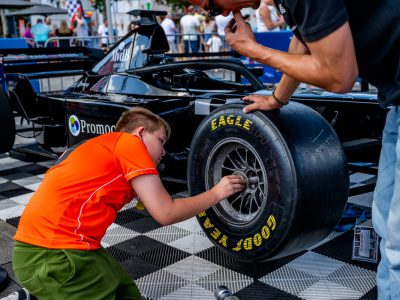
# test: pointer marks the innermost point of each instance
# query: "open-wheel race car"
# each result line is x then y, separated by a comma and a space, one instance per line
295, 160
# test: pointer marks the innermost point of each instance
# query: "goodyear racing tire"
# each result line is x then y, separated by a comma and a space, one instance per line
296, 179
7, 123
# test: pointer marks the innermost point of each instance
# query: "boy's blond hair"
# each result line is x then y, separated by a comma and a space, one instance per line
139, 116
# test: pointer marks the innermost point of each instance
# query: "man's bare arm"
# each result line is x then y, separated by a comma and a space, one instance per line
331, 63
285, 89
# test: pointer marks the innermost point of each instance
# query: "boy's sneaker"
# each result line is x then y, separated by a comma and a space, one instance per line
21, 294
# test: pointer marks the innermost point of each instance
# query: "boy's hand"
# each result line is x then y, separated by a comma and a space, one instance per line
228, 186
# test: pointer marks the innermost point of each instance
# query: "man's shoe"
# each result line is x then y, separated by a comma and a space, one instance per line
21, 294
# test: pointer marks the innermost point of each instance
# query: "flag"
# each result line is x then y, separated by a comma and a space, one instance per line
73, 7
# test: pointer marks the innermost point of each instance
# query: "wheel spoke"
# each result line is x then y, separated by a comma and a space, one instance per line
256, 202
236, 199
241, 203
233, 163
261, 192
230, 169
244, 162
251, 203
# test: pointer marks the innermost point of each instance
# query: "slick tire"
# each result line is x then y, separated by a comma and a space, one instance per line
296, 179
7, 123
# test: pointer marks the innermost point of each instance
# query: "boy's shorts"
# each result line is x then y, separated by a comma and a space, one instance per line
71, 274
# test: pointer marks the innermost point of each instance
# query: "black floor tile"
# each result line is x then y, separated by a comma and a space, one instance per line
259, 291
127, 216
163, 256
34, 169
371, 295
259, 269
13, 221
216, 256
139, 245
137, 267
143, 225
119, 254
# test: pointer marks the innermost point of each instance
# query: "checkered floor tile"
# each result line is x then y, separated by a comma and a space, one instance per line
179, 262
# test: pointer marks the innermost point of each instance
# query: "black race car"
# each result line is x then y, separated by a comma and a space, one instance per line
294, 160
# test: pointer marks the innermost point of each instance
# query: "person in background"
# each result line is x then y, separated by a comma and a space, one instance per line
133, 25
170, 30
209, 27
199, 13
120, 30
64, 31
190, 29
267, 17
53, 27
103, 32
57, 250
214, 44
40, 33
81, 29
221, 21
28, 35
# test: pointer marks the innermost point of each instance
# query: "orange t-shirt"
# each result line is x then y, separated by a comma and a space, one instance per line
79, 198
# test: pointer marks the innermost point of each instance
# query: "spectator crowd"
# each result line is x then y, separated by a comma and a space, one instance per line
195, 31
192, 32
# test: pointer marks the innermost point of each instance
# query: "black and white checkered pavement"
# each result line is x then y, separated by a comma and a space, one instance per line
179, 262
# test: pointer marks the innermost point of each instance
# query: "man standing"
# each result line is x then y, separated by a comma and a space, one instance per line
333, 43
40, 33
81, 29
103, 32
190, 29
170, 30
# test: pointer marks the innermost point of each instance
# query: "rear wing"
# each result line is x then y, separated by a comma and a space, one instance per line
49, 62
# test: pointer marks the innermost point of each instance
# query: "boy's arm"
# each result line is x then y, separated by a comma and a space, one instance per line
165, 210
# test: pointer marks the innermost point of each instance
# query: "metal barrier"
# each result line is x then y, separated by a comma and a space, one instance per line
177, 42
92, 41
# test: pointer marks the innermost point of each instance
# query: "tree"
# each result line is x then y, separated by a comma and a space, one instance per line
98, 4
174, 4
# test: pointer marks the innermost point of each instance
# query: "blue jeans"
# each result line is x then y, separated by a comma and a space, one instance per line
386, 209
191, 46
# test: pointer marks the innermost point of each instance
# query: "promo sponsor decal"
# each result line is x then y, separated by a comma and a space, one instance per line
231, 120
247, 243
74, 125
81, 126
121, 54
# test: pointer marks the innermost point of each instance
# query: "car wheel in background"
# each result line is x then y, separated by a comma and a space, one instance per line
7, 123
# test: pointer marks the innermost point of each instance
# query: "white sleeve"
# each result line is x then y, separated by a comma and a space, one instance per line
219, 44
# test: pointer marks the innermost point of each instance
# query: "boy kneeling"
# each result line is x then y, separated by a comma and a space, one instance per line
57, 252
